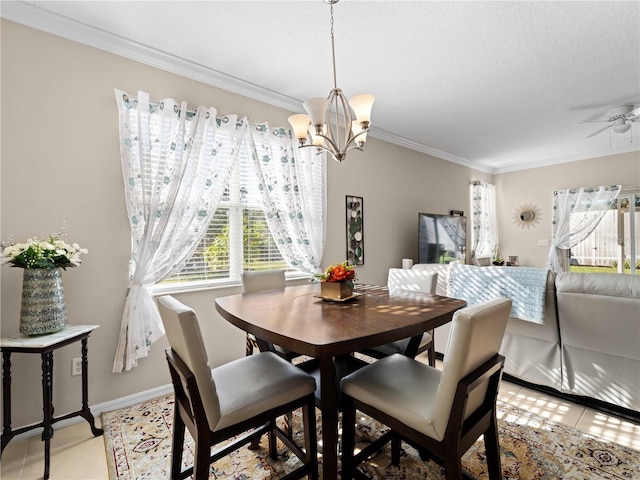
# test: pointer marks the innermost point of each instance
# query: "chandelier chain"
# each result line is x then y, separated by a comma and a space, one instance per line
333, 51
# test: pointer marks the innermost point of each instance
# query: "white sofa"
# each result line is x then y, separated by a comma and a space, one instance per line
588, 345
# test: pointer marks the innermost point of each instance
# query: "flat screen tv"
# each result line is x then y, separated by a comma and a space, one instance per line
442, 238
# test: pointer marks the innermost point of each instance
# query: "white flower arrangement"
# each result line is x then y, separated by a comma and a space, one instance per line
49, 254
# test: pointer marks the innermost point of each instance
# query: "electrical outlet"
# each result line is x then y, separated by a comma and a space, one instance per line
76, 366
543, 243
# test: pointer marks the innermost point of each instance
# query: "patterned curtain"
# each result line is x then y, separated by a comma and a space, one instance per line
292, 182
176, 165
576, 214
484, 229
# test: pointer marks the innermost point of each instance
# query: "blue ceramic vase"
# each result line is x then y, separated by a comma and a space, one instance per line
43, 309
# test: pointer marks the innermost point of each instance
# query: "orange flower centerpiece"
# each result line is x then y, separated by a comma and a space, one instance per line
337, 281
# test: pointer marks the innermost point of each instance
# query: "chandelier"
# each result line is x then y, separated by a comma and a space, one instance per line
334, 124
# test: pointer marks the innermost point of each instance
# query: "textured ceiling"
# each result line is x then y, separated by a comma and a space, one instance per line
498, 86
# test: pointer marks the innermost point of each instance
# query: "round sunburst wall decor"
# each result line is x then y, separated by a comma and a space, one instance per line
526, 216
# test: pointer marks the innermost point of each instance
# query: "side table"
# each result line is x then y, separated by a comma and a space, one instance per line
45, 345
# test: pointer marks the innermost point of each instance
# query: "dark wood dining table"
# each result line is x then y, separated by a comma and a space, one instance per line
330, 332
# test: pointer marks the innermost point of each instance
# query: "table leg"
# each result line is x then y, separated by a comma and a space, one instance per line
86, 412
411, 349
6, 398
47, 407
329, 406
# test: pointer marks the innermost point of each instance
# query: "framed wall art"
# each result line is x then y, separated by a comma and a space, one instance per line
355, 230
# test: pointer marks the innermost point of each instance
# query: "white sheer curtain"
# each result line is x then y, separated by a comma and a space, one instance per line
576, 214
175, 165
484, 230
292, 182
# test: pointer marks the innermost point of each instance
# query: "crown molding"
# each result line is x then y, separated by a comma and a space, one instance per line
570, 158
38, 18
418, 147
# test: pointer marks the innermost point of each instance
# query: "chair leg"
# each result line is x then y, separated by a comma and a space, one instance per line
452, 464
396, 443
255, 444
492, 447
273, 447
288, 424
248, 345
431, 352
177, 445
310, 436
202, 453
348, 437
431, 357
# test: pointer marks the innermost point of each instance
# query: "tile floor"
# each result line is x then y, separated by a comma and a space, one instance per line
77, 455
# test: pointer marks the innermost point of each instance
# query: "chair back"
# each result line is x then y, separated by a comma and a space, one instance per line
476, 336
400, 279
262, 280
185, 339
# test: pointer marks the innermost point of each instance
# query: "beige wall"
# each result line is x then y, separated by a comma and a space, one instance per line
60, 163
535, 187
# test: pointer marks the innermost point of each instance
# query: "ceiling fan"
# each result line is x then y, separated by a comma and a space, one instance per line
620, 119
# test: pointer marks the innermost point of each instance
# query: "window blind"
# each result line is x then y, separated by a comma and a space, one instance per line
238, 237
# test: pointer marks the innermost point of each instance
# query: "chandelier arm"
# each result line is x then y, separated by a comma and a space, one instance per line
320, 148
329, 140
353, 137
350, 144
355, 146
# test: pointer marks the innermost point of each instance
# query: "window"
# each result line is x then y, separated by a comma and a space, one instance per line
613, 245
238, 237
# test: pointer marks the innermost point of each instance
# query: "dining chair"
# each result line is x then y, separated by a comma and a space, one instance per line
260, 281
442, 412
236, 402
398, 281
257, 282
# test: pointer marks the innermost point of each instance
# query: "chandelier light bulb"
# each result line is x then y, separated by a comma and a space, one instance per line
316, 108
300, 125
362, 105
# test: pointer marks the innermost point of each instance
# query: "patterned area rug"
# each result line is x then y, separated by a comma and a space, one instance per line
138, 446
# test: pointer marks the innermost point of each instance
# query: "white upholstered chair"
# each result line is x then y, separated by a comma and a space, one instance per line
443, 412
241, 397
400, 280
257, 282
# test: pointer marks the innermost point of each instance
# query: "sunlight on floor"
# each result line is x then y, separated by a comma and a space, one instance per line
610, 428
547, 406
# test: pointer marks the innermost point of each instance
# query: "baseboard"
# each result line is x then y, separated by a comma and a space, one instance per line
593, 403
99, 408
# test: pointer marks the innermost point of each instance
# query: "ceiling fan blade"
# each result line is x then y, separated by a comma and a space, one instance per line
599, 131
636, 112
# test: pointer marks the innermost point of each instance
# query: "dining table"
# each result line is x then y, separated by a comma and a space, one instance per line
330, 332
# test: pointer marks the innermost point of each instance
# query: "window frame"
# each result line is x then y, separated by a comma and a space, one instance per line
236, 206
632, 250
